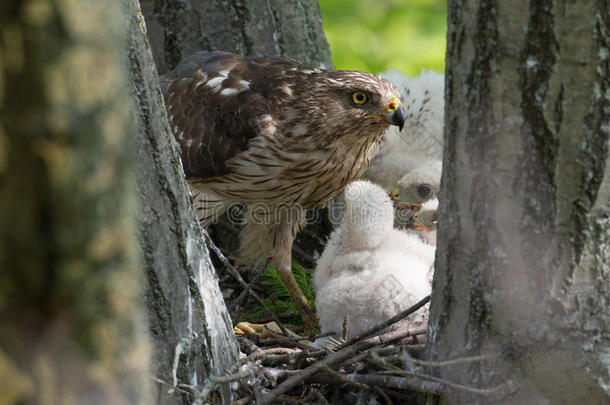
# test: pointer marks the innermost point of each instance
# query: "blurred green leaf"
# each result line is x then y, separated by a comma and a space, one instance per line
376, 35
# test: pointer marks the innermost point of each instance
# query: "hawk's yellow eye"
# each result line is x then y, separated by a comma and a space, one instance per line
359, 98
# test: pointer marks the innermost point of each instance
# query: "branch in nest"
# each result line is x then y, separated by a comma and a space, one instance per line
414, 384
283, 315
345, 328
398, 317
241, 281
237, 304
392, 369
332, 360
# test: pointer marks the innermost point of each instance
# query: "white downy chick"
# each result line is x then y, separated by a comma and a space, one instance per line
369, 271
414, 189
422, 137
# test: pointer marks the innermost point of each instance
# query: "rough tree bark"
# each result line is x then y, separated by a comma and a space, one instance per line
177, 28
191, 330
72, 326
523, 262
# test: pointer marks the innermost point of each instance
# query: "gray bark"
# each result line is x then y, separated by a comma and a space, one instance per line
73, 327
177, 28
187, 313
523, 259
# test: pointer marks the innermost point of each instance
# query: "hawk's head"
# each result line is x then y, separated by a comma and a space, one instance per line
335, 104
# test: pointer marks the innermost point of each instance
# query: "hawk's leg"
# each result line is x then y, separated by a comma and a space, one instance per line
271, 232
288, 221
282, 260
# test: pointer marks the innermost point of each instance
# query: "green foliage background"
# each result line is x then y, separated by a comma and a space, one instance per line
375, 35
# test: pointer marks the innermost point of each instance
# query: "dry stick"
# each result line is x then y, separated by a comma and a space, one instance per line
290, 359
387, 323
238, 301
343, 379
333, 359
214, 381
443, 363
279, 354
345, 327
387, 351
414, 384
282, 315
392, 369
321, 398
386, 381
385, 396
241, 281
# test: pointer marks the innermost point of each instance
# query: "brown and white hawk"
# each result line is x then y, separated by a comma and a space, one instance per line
276, 135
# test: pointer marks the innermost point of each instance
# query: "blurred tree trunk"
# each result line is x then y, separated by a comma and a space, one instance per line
523, 262
191, 329
71, 322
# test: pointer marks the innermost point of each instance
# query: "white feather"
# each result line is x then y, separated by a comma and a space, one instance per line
369, 270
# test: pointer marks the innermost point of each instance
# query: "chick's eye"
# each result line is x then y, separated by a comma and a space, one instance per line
395, 194
424, 190
359, 98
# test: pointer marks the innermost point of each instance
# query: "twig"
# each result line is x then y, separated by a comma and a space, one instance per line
345, 327
333, 359
444, 363
237, 304
242, 401
294, 359
172, 388
288, 340
397, 370
414, 384
247, 346
262, 353
311, 337
342, 378
266, 319
177, 353
321, 398
241, 281
387, 381
214, 381
389, 322
385, 396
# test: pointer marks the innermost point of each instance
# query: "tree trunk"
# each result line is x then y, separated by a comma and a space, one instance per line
177, 28
72, 326
191, 329
523, 262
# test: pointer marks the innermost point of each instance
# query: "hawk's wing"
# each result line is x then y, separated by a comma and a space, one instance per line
217, 102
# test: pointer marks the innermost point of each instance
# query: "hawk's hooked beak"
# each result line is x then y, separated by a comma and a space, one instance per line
395, 115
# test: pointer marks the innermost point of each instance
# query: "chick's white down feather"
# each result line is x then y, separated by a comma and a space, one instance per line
369, 270
422, 137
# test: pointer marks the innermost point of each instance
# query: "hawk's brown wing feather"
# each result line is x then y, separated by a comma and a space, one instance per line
217, 102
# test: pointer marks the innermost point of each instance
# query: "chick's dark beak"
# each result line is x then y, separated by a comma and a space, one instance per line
395, 114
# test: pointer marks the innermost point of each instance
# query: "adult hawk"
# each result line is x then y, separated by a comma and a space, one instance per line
276, 135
